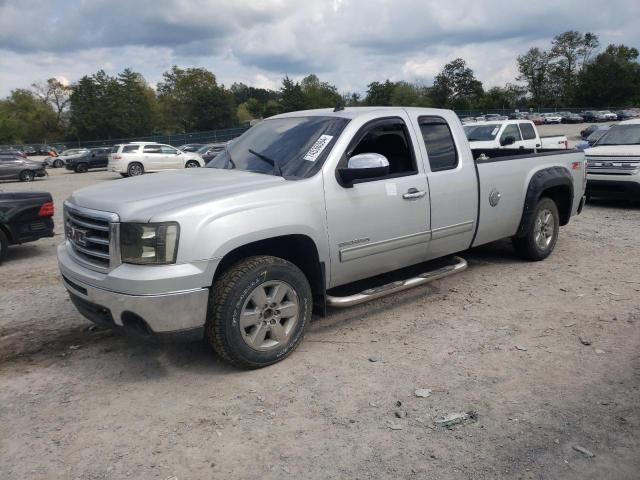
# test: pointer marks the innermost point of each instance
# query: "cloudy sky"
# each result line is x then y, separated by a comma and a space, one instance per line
347, 42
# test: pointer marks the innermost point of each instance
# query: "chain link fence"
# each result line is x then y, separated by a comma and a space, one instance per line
177, 139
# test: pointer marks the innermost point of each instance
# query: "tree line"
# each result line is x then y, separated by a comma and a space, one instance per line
574, 71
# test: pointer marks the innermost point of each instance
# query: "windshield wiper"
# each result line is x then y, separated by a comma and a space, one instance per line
270, 161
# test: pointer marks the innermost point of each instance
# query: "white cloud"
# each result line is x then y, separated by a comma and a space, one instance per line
347, 42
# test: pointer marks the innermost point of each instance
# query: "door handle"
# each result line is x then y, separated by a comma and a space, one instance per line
413, 193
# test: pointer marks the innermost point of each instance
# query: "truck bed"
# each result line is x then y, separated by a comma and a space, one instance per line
508, 177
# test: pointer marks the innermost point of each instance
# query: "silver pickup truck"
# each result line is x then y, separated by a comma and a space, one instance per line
296, 211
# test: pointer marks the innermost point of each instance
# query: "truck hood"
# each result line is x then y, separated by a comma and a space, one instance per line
614, 150
139, 199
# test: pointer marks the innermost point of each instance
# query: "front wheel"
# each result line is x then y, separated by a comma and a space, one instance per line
82, 168
258, 311
27, 176
192, 164
58, 163
542, 233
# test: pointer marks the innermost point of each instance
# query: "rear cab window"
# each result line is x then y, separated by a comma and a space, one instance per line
439, 142
528, 132
130, 148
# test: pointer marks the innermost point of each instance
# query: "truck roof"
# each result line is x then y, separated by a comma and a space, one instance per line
353, 112
498, 122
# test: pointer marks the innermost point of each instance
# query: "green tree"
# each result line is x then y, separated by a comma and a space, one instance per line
456, 86
191, 99
379, 93
570, 51
612, 79
534, 71
26, 118
319, 94
407, 94
57, 95
292, 97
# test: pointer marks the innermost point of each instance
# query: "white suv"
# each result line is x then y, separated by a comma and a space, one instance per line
135, 158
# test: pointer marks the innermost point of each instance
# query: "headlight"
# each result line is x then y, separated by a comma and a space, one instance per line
149, 243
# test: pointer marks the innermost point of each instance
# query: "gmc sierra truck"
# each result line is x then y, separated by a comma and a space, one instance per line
510, 134
296, 211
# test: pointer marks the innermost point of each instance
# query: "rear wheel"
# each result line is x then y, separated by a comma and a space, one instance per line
192, 164
58, 163
82, 167
135, 169
4, 246
27, 176
542, 232
258, 311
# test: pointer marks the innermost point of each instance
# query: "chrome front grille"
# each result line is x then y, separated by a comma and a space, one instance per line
613, 165
92, 236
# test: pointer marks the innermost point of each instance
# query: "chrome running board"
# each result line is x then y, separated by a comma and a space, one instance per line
398, 286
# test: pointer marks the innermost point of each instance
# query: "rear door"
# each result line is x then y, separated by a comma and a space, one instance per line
529, 135
453, 184
10, 167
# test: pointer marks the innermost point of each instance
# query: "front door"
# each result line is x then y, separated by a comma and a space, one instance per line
153, 157
511, 130
380, 224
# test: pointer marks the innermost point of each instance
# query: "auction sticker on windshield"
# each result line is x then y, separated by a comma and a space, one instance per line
317, 148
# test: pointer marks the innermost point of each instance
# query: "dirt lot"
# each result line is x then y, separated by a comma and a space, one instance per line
546, 356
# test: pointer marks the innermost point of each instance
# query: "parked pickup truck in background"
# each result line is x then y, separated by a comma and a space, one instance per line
614, 163
295, 211
24, 217
511, 134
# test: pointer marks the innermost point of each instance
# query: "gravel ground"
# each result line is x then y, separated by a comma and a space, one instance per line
545, 355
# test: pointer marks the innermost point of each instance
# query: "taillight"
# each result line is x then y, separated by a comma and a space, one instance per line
46, 210
117, 157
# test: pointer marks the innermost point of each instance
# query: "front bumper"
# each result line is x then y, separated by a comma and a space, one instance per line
610, 186
166, 315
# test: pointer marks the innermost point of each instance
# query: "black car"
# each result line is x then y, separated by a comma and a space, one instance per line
24, 217
584, 134
94, 158
209, 151
190, 147
626, 114
569, 117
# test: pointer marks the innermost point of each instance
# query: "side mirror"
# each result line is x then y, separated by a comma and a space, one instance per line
508, 141
363, 166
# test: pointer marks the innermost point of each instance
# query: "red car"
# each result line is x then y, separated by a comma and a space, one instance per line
536, 118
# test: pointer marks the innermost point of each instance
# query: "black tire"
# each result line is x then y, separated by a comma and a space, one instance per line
58, 163
82, 168
4, 246
191, 164
124, 175
27, 176
228, 299
528, 247
135, 169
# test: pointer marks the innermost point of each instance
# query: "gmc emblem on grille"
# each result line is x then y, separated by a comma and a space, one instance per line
77, 235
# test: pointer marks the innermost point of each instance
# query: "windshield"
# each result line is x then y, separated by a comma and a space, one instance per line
73, 151
621, 135
597, 135
299, 145
484, 132
211, 146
